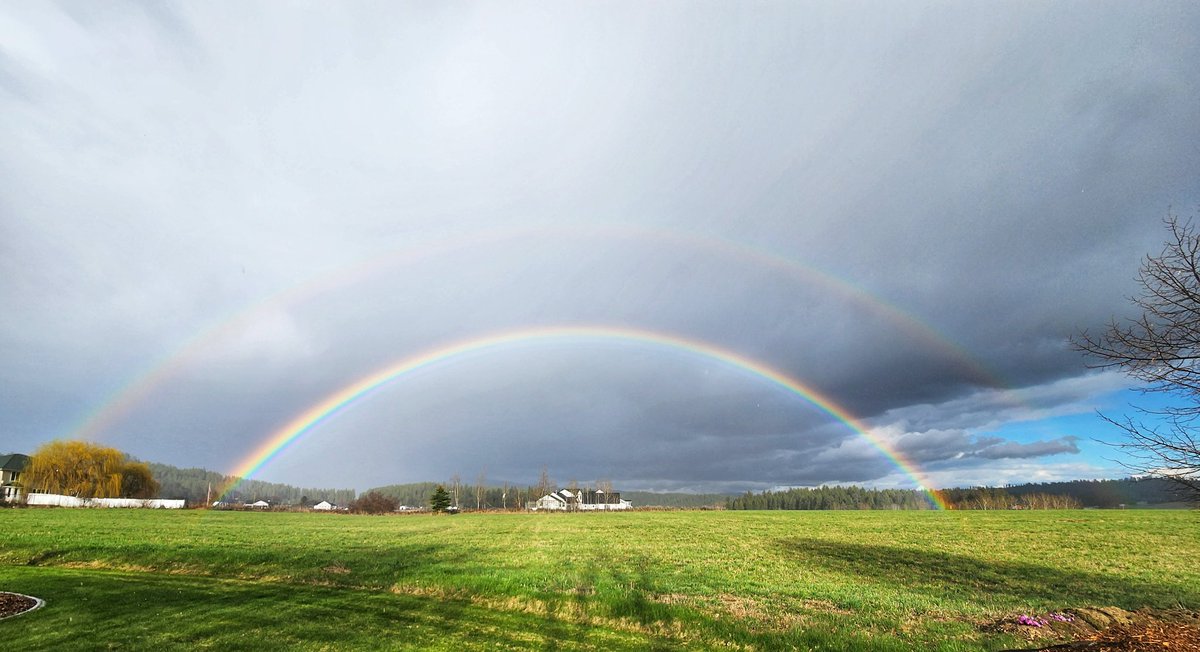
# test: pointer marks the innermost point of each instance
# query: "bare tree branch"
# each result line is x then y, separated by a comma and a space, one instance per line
1161, 348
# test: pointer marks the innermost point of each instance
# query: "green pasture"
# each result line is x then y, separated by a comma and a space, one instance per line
132, 579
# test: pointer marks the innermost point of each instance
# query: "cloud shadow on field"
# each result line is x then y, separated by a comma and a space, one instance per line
938, 573
105, 609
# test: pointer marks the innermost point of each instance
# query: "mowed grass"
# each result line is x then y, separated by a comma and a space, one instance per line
131, 579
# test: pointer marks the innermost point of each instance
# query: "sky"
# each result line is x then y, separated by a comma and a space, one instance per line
215, 216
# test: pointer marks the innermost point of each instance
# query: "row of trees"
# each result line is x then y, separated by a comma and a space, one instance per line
465, 496
832, 498
1105, 493
992, 498
819, 498
86, 470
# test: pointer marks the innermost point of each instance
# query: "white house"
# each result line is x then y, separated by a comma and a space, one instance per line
261, 504
559, 501
11, 468
323, 506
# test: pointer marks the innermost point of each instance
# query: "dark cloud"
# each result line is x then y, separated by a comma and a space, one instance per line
906, 210
1014, 450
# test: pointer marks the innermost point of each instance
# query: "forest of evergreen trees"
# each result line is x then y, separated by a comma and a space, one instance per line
194, 486
1107, 493
1128, 492
832, 498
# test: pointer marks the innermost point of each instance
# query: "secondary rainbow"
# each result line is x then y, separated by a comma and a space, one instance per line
138, 389
304, 423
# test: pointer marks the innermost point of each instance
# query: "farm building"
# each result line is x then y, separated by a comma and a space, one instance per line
324, 506
11, 467
566, 500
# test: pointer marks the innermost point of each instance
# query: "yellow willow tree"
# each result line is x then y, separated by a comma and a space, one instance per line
76, 468
137, 481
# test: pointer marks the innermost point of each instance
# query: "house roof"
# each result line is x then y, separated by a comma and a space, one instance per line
14, 462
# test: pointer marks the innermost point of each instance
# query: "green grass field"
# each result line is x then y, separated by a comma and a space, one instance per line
130, 579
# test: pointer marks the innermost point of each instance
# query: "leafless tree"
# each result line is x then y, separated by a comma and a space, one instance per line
1161, 348
543, 487
455, 486
479, 482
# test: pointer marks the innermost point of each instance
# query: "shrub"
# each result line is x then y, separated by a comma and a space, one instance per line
374, 502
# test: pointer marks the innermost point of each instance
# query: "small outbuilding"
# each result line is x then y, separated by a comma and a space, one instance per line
324, 506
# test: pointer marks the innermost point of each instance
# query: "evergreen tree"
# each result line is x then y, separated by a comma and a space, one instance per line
440, 499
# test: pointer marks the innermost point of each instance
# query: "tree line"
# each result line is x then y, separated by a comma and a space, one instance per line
200, 485
832, 498
1107, 493
1072, 494
477, 497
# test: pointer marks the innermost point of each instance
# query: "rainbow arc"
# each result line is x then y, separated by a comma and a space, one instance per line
342, 399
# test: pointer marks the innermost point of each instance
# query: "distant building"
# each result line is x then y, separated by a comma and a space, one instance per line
11, 468
584, 500
261, 504
324, 506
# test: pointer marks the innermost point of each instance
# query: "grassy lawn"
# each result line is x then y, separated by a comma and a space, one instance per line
129, 579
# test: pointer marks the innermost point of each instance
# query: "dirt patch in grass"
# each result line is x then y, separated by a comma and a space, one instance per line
12, 604
1105, 629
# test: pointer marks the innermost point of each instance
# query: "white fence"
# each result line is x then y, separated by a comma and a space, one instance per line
55, 500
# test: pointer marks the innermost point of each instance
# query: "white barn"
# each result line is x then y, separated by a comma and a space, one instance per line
584, 500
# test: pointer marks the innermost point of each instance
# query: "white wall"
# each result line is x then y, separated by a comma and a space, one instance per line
55, 500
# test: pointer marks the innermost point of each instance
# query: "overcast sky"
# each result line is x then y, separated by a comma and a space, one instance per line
214, 215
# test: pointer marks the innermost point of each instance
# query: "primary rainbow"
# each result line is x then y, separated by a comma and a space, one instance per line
343, 398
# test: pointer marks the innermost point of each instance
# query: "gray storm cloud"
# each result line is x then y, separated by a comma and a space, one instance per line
190, 198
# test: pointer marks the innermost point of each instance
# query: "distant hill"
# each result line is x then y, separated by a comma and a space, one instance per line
193, 485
